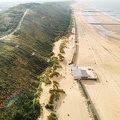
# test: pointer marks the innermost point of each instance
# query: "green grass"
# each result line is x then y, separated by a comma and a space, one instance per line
10, 18
19, 68
52, 116
63, 46
55, 93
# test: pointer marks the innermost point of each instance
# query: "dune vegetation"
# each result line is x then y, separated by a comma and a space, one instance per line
26, 54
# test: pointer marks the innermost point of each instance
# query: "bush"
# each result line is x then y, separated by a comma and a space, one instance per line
49, 106
54, 73
61, 58
55, 82
52, 116
51, 100
54, 95
63, 46
45, 78
55, 66
61, 91
62, 50
47, 81
54, 60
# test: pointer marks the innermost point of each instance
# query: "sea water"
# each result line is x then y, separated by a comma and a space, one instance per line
112, 6
104, 32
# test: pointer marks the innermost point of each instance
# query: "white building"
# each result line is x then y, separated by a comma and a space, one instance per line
83, 73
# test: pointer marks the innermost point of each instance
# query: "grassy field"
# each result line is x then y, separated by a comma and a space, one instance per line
25, 55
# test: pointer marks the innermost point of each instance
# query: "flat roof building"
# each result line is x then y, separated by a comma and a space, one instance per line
84, 73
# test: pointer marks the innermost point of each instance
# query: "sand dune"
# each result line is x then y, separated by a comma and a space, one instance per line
71, 106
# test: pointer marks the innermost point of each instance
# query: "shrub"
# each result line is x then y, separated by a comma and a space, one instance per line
61, 91
54, 60
47, 81
52, 116
48, 70
61, 58
62, 46
55, 66
55, 82
49, 106
54, 73
51, 100
62, 50
54, 95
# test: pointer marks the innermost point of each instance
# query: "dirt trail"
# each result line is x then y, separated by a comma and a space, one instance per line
18, 26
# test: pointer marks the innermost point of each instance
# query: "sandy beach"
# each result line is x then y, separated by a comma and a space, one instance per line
71, 105
102, 53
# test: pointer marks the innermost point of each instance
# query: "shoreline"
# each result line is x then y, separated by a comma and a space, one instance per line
118, 19
103, 54
100, 53
110, 30
106, 14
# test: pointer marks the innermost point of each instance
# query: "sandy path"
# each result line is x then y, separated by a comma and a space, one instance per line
72, 106
103, 54
44, 98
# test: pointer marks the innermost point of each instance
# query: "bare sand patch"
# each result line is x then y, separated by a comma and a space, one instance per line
71, 106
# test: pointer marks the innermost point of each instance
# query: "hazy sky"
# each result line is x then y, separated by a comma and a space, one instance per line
1, 1
52, 0
16, 0
99, 0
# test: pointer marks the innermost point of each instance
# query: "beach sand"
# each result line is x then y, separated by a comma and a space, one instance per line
71, 105
102, 53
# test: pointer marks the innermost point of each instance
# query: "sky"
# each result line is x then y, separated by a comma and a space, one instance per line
2, 1
24, 1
